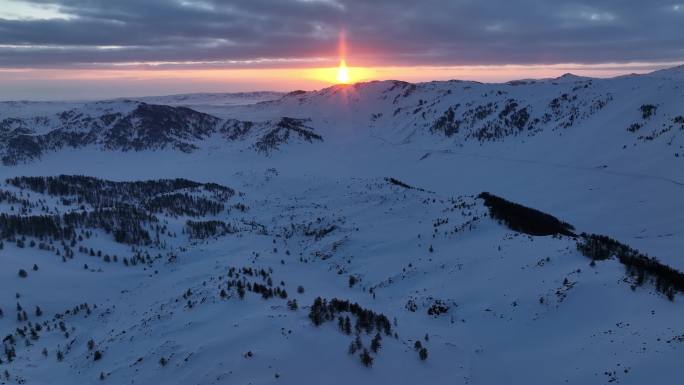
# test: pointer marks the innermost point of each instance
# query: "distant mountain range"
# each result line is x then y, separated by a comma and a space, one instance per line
643, 110
138, 126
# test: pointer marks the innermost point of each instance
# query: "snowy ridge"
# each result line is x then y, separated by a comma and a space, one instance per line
135, 126
437, 114
212, 99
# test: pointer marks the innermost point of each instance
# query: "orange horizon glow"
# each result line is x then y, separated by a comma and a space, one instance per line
110, 82
329, 74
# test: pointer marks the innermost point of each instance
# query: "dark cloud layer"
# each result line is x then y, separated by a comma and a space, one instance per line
383, 32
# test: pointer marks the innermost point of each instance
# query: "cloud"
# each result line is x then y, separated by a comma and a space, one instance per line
86, 33
19, 10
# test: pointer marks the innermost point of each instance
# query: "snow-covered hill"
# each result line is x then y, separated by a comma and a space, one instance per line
213, 99
384, 232
137, 126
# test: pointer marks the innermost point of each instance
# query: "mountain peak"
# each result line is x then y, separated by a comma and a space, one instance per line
570, 77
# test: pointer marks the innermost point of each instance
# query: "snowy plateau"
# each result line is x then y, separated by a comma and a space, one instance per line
450, 232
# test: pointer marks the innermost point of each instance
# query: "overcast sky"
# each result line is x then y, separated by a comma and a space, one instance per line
199, 34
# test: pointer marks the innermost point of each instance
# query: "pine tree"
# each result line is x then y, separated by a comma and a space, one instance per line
366, 358
352, 348
375, 343
423, 354
292, 304
347, 325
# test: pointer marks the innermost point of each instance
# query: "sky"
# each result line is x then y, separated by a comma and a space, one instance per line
85, 49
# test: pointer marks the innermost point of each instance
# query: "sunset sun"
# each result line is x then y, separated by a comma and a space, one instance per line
343, 73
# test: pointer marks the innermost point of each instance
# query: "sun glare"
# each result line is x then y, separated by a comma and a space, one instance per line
343, 73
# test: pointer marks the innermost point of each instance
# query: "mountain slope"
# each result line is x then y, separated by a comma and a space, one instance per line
445, 232
135, 126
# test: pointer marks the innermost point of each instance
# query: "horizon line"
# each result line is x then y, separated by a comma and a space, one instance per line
308, 78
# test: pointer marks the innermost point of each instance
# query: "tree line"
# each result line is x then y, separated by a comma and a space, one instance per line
524, 219
641, 267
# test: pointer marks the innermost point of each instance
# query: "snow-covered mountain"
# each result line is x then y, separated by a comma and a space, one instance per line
136, 126
213, 99
640, 114
384, 232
